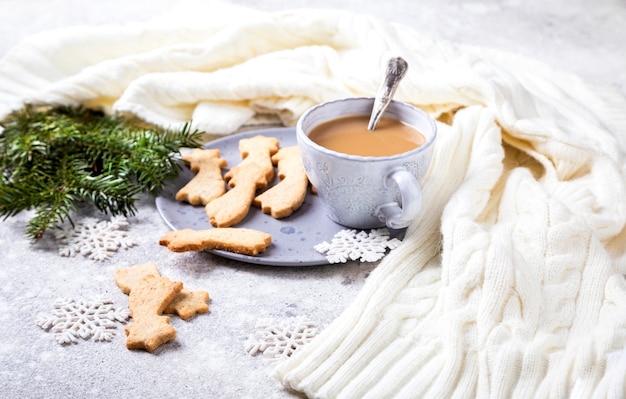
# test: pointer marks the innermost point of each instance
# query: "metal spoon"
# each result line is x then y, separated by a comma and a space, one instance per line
396, 69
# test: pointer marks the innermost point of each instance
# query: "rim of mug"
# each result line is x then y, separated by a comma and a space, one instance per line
397, 103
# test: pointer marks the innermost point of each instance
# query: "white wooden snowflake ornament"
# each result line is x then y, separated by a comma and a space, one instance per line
363, 246
70, 320
279, 339
94, 238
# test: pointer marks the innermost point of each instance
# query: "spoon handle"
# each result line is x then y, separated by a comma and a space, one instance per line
396, 69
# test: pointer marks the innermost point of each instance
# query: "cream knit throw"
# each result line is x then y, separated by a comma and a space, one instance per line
511, 282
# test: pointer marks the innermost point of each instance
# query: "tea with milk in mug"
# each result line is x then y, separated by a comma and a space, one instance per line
350, 135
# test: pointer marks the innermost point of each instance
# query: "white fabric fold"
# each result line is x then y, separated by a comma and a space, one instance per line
509, 284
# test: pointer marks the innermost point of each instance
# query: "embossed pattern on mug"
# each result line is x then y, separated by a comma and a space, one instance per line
357, 191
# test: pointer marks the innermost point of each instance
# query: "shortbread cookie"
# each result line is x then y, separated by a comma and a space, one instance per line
232, 207
258, 150
288, 195
126, 278
147, 301
189, 303
186, 304
208, 182
254, 172
232, 239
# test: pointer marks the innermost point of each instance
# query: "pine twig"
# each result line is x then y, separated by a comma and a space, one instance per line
52, 160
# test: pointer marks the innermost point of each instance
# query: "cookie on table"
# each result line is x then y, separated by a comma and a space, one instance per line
147, 301
189, 303
186, 304
126, 278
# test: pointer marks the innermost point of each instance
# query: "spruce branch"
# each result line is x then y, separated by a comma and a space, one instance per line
52, 160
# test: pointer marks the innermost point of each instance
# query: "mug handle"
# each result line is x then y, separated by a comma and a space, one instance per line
391, 213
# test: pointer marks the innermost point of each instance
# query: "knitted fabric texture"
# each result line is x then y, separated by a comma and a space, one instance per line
510, 283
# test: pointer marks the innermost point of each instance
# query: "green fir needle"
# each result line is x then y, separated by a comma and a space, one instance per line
51, 160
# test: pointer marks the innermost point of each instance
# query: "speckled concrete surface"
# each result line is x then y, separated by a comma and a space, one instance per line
208, 358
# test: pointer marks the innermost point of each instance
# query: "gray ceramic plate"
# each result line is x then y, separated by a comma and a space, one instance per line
293, 237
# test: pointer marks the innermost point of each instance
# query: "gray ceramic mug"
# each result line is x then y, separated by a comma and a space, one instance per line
367, 192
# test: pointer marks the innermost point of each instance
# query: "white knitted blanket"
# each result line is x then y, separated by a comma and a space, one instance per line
511, 282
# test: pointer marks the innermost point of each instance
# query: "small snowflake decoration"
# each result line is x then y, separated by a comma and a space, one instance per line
86, 319
352, 245
279, 339
94, 238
